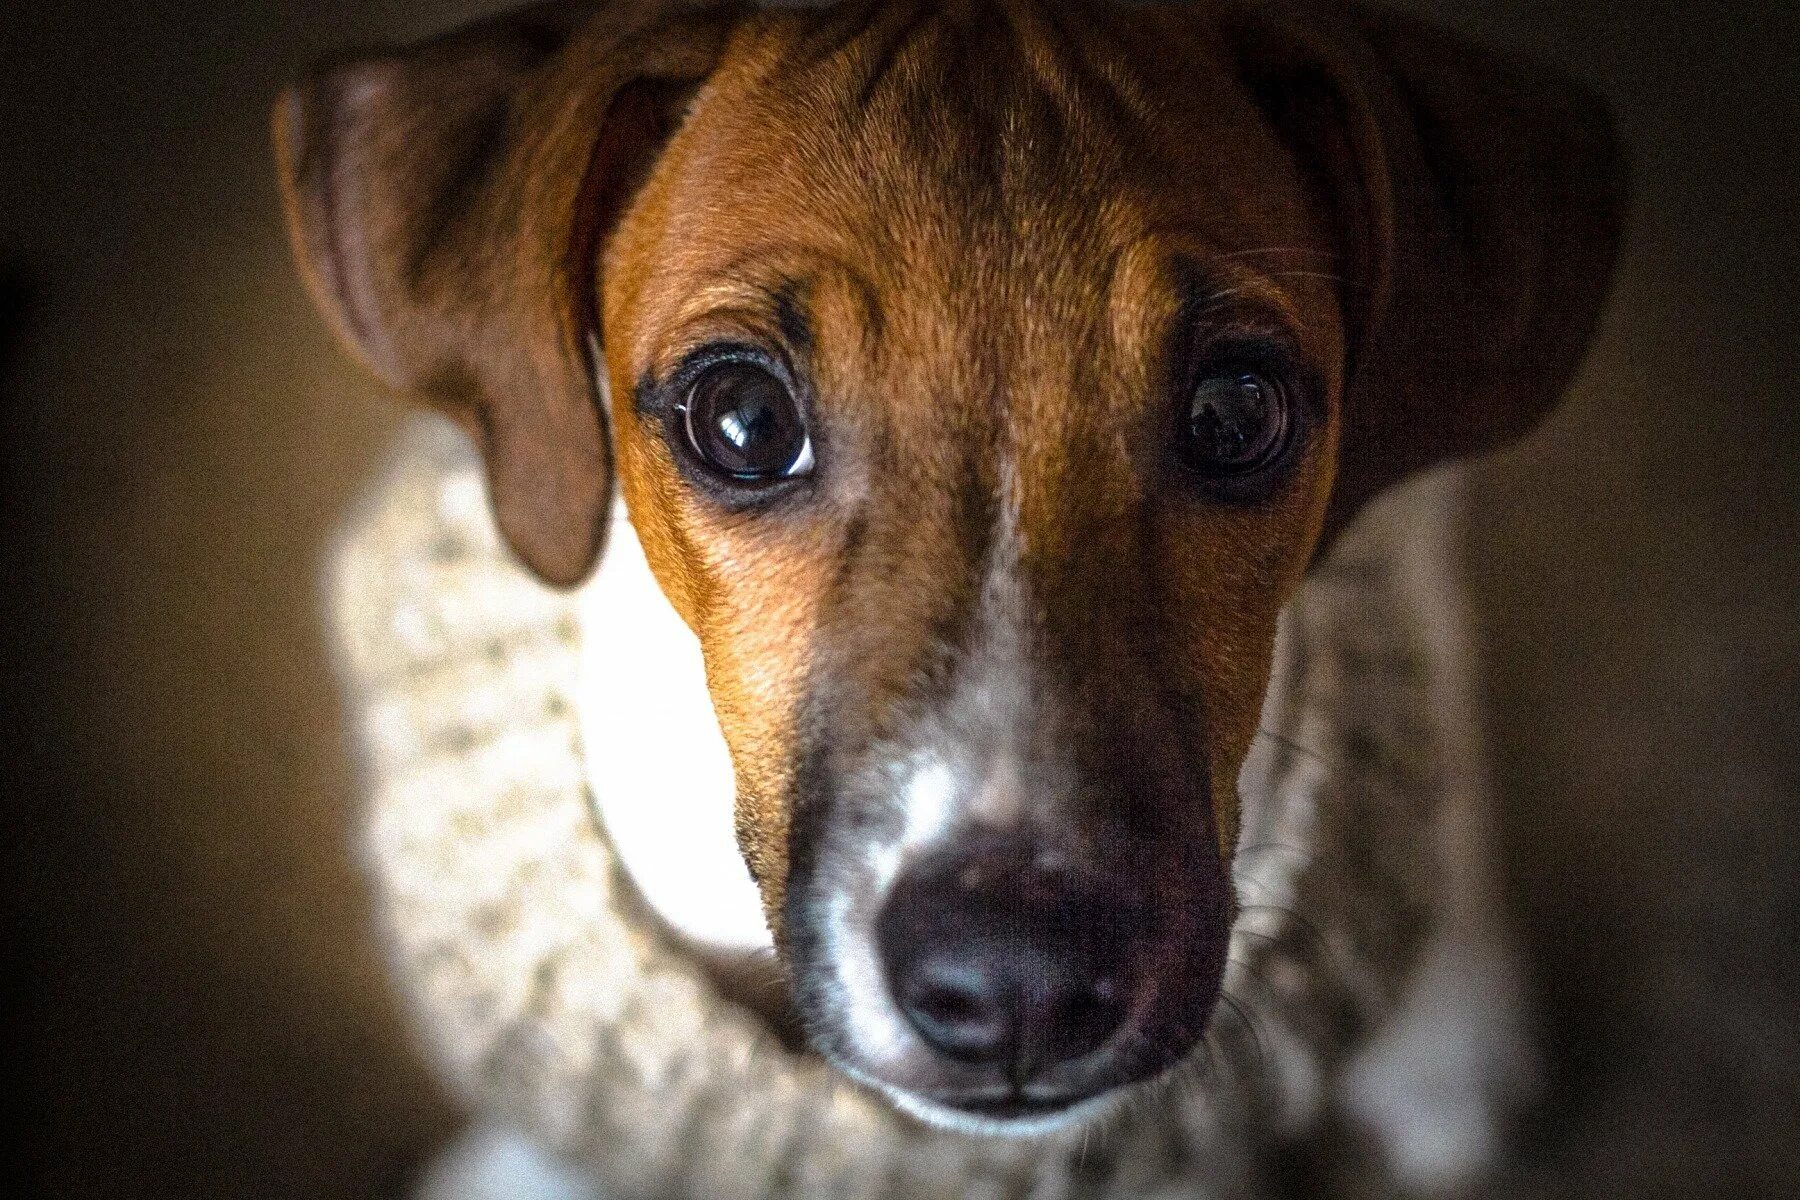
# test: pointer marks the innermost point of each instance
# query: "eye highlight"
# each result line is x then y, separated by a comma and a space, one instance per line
1235, 423
741, 421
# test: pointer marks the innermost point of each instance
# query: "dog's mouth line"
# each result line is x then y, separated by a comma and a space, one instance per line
1004, 1115
1009, 1105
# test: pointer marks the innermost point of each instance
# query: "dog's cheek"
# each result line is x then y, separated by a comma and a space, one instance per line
756, 630
1229, 572
653, 496
1234, 657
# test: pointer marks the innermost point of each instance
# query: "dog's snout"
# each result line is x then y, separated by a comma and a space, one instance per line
1001, 962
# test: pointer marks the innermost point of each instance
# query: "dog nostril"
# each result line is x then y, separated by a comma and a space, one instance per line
959, 1011
946, 1007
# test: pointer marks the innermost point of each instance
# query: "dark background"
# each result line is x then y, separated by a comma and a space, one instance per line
200, 1009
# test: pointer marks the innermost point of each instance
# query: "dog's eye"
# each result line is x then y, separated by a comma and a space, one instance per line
1236, 422
744, 422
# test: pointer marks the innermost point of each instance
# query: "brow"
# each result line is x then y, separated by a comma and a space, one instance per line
771, 314
792, 319
1213, 286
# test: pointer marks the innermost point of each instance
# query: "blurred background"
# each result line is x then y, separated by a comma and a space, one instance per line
200, 1010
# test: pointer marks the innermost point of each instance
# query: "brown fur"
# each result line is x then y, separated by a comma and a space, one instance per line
982, 213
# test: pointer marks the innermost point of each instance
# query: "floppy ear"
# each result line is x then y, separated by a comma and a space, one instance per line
1477, 204
448, 205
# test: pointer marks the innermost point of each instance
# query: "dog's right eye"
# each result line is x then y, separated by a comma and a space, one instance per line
743, 422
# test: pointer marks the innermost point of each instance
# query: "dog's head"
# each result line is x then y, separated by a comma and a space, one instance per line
983, 378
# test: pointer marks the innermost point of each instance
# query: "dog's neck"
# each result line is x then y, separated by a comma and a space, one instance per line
656, 761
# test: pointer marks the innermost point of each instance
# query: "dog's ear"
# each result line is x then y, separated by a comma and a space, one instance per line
1476, 204
448, 205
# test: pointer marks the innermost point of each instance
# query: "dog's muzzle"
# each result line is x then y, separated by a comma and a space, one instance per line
1011, 980
1014, 967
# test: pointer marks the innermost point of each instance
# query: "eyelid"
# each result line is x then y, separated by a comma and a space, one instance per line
660, 395
697, 361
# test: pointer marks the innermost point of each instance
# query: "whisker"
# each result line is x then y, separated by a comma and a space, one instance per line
1236, 1073
1314, 934
1109, 1124
1302, 922
1259, 847
1332, 276
1213, 299
1262, 1058
1310, 947
1212, 1059
1271, 250
1253, 971
1188, 1082
1288, 743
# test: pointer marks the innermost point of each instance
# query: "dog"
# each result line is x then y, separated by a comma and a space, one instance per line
981, 377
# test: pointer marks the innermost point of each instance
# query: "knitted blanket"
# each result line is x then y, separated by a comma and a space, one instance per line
551, 1000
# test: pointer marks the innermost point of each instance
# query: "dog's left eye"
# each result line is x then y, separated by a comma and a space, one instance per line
744, 423
1237, 422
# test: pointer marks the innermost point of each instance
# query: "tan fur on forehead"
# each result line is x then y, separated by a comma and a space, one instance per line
907, 131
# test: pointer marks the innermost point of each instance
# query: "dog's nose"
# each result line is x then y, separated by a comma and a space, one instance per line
997, 960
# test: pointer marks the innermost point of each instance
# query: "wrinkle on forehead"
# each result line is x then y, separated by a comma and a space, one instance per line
996, 152
935, 123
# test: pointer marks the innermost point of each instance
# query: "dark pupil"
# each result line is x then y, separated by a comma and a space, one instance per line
1231, 423
743, 421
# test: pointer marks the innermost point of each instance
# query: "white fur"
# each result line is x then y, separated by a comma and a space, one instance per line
1093, 1109
928, 798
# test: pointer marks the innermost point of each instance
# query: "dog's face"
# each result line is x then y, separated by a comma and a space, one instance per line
983, 379
981, 459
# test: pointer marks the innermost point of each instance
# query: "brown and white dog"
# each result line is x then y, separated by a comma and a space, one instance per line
981, 376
